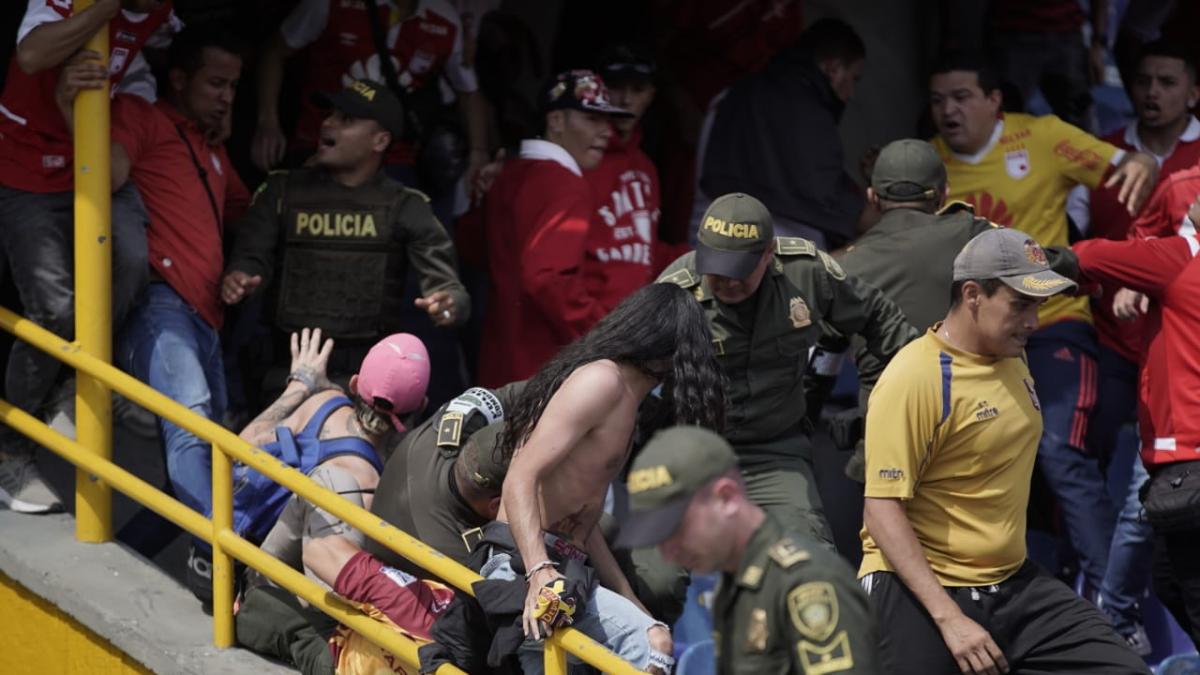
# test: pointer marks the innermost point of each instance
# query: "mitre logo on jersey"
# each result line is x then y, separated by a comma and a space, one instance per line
1016, 163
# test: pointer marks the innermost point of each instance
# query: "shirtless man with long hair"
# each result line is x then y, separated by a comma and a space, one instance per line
569, 437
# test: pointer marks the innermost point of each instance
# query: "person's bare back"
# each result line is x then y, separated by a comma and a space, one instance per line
578, 447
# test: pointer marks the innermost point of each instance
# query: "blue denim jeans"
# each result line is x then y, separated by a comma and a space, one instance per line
606, 617
1113, 435
169, 347
1062, 360
37, 237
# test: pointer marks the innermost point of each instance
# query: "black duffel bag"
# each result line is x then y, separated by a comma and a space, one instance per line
1171, 497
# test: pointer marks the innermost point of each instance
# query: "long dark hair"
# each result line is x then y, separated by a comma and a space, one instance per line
659, 324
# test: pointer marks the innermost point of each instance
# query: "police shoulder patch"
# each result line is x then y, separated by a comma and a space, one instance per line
956, 207
263, 185
752, 576
835, 270
795, 246
418, 193
835, 657
449, 430
680, 277
813, 608
786, 553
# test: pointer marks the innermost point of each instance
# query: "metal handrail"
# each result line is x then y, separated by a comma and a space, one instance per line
92, 454
218, 531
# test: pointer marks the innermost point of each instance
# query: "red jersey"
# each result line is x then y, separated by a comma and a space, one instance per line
621, 247
1161, 216
539, 214
1166, 212
1169, 382
184, 236
340, 49
38, 150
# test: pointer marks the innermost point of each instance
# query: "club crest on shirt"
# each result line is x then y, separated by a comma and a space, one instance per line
1037, 405
1016, 163
798, 313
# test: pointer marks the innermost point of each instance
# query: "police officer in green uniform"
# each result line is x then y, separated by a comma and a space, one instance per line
769, 301
333, 240
441, 483
909, 254
785, 604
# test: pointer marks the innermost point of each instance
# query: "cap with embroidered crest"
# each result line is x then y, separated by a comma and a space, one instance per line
675, 465
734, 232
1012, 257
581, 90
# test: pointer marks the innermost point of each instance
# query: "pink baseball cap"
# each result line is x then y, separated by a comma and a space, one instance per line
394, 376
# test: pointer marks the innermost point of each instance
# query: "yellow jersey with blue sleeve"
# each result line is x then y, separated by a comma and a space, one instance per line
954, 436
1021, 179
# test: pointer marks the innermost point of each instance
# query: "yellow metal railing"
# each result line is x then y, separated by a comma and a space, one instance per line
218, 532
92, 453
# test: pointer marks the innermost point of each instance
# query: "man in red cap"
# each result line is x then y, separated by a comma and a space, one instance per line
539, 214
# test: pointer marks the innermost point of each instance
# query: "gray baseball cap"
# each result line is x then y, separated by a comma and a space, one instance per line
1012, 257
908, 170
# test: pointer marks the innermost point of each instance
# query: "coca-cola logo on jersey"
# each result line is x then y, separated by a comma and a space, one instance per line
631, 215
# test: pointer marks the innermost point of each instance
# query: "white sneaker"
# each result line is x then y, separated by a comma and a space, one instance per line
22, 488
1139, 642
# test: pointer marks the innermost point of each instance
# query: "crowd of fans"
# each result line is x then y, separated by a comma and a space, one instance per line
433, 274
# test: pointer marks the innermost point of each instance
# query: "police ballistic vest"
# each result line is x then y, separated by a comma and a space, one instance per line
343, 261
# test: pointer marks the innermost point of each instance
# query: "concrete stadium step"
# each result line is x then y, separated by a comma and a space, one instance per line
132, 604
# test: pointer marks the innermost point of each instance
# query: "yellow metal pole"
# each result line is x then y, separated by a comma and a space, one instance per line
402, 646
93, 294
137, 489
222, 562
555, 658
571, 640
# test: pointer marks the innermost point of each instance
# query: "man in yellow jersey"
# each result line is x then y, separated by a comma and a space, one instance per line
1017, 170
952, 433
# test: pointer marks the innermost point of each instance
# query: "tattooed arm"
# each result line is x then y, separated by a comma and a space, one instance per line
307, 377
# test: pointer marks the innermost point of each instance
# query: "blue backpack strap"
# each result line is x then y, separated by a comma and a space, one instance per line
314, 425
349, 445
285, 440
